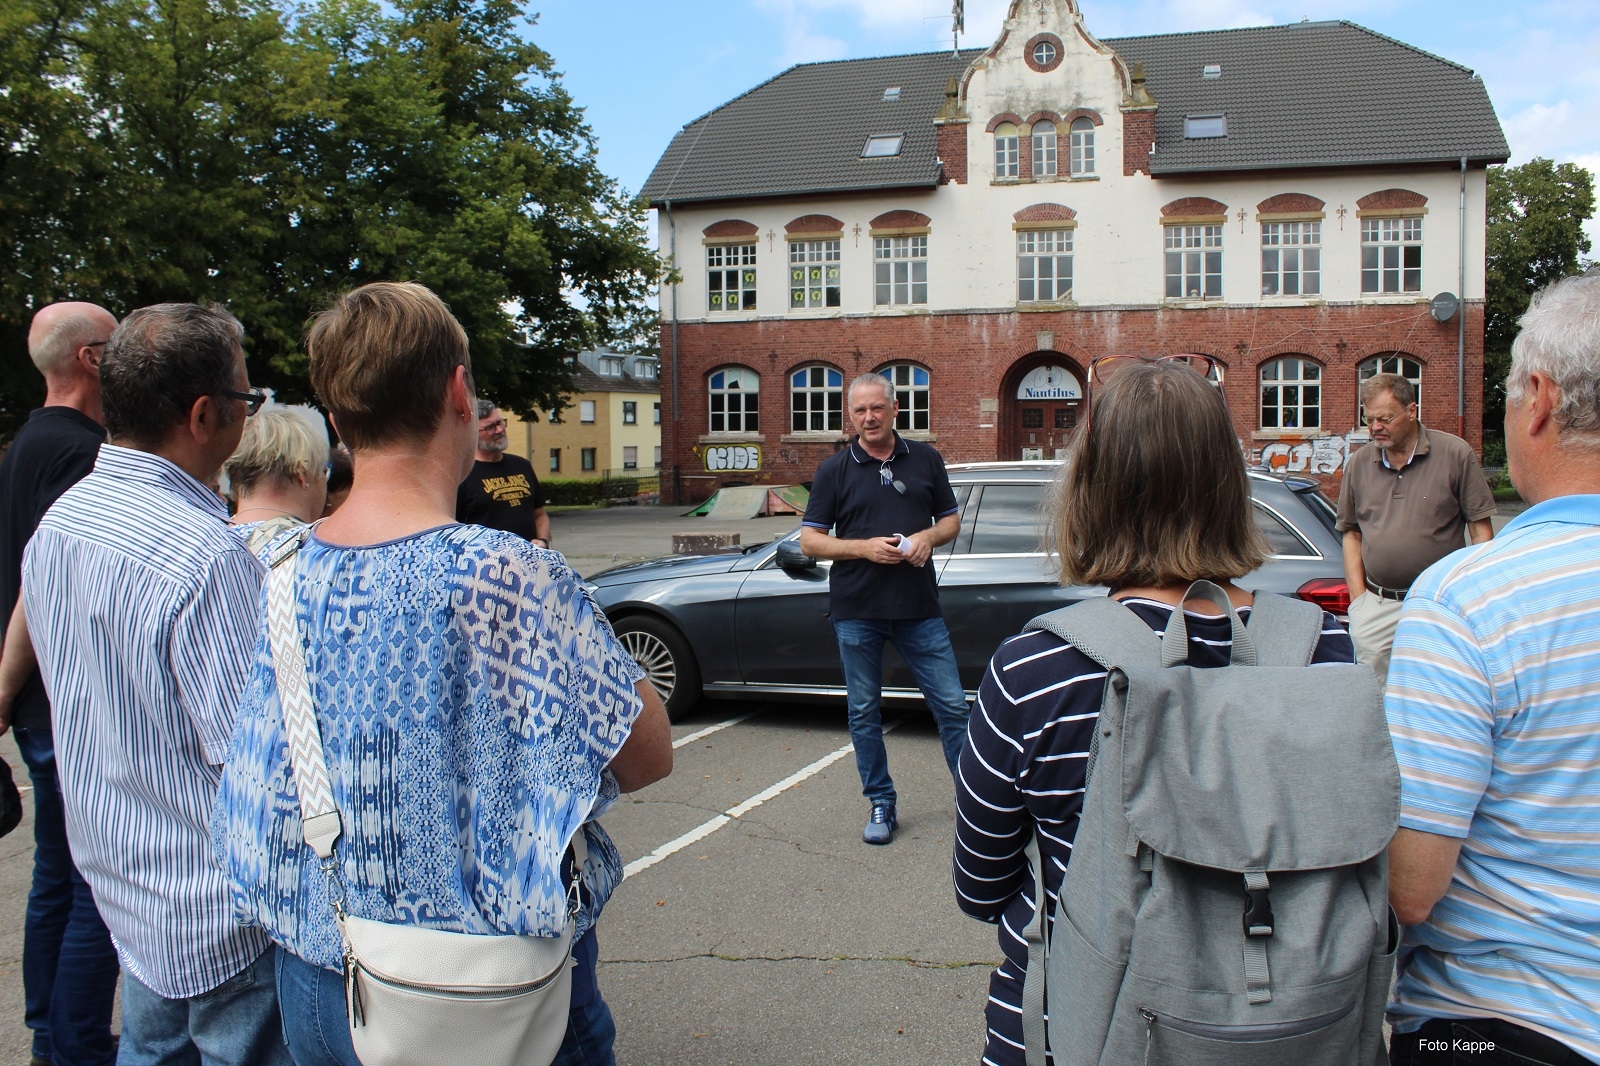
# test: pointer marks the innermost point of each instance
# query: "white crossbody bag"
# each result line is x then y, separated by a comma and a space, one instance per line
415, 996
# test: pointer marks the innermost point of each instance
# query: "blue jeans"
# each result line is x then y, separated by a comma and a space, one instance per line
235, 1023
924, 643
318, 1033
69, 965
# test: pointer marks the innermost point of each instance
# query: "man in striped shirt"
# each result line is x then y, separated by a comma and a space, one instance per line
142, 606
1494, 704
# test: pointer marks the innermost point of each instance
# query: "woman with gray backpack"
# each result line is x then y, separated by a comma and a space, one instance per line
437, 715
1211, 762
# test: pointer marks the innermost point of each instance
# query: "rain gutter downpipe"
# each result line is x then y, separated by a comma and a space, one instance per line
1461, 325
672, 255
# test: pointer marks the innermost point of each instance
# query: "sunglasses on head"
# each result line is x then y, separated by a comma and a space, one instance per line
1105, 368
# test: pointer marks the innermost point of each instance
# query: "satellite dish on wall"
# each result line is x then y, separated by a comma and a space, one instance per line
1444, 306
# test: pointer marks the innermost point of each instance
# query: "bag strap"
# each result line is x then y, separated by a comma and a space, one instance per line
319, 818
1175, 645
1105, 630
1033, 1026
1286, 631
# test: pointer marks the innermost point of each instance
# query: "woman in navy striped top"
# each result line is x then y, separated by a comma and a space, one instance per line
1154, 497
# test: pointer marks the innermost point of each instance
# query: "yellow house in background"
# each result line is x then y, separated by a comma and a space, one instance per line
610, 428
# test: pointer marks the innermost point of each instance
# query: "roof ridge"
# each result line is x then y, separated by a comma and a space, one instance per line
1114, 41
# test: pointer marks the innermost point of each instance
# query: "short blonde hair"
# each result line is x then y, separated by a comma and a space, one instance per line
1155, 490
381, 359
279, 444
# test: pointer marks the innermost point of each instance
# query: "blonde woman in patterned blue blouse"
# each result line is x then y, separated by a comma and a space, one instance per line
476, 709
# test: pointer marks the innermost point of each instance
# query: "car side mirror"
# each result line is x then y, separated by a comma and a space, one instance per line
790, 557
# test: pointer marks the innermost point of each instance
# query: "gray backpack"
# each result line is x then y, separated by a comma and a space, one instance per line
1227, 898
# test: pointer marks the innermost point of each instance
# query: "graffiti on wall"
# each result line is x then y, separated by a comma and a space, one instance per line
733, 457
1310, 455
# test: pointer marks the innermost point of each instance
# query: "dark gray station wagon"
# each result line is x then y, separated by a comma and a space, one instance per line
755, 623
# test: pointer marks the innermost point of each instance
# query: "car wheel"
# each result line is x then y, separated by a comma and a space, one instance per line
666, 659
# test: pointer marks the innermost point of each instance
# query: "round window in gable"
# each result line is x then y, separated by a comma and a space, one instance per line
1043, 53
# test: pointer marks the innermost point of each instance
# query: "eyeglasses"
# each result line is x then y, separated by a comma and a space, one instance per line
253, 399
1103, 369
492, 427
888, 477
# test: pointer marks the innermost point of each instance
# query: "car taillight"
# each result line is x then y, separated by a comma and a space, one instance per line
1329, 593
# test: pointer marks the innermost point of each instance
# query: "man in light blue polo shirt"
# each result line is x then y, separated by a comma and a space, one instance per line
1494, 705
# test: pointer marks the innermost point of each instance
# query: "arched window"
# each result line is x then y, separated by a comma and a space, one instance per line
910, 384
1391, 363
1044, 149
1082, 134
816, 400
1291, 393
735, 400
1006, 159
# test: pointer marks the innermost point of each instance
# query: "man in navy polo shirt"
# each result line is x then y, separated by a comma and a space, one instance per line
890, 504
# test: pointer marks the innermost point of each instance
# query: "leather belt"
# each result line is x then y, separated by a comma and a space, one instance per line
1386, 593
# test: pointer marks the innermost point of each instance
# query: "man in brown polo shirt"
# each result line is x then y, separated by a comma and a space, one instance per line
1409, 495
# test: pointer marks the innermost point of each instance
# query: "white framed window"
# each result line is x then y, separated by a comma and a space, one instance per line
816, 400
1044, 53
1196, 127
1291, 258
813, 274
1393, 363
900, 270
630, 412
1007, 163
1391, 255
910, 383
1082, 147
1044, 265
585, 410
1194, 262
881, 145
735, 400
731, 276
1291, 393
630, 457
658, 457
1044, 150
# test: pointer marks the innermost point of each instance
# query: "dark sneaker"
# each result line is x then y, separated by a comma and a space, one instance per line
881, 826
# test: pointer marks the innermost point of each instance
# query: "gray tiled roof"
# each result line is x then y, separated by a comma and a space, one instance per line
1304, 95
586, 380
803, 131
1311, 95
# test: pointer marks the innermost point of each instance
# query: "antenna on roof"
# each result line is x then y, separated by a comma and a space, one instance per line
958, 24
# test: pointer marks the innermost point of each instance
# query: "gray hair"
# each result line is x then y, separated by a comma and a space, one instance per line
1560, 338
1401, 388
872, 380
485, 407
53, 351
162, 359
280, 443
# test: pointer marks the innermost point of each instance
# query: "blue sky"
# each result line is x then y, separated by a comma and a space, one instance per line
644, 69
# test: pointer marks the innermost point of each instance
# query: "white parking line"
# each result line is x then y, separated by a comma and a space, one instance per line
705, 829
708, 730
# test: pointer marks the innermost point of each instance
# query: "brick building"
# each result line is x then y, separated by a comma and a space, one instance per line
980, 225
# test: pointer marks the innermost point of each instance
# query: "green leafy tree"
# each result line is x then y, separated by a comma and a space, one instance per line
266, 156
1536, 213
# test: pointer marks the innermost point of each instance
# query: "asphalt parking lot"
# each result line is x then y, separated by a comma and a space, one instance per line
754, 926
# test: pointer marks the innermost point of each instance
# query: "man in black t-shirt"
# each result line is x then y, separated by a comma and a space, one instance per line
69, 966
502, 491
890, 504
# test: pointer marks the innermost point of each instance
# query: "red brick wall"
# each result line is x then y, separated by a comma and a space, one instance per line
1138, 134
969, 356
951, 139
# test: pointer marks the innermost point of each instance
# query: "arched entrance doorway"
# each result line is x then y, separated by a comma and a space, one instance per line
1041, 400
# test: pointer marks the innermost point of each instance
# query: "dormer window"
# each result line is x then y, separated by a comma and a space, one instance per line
881, 145
891, 95
1199, 127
